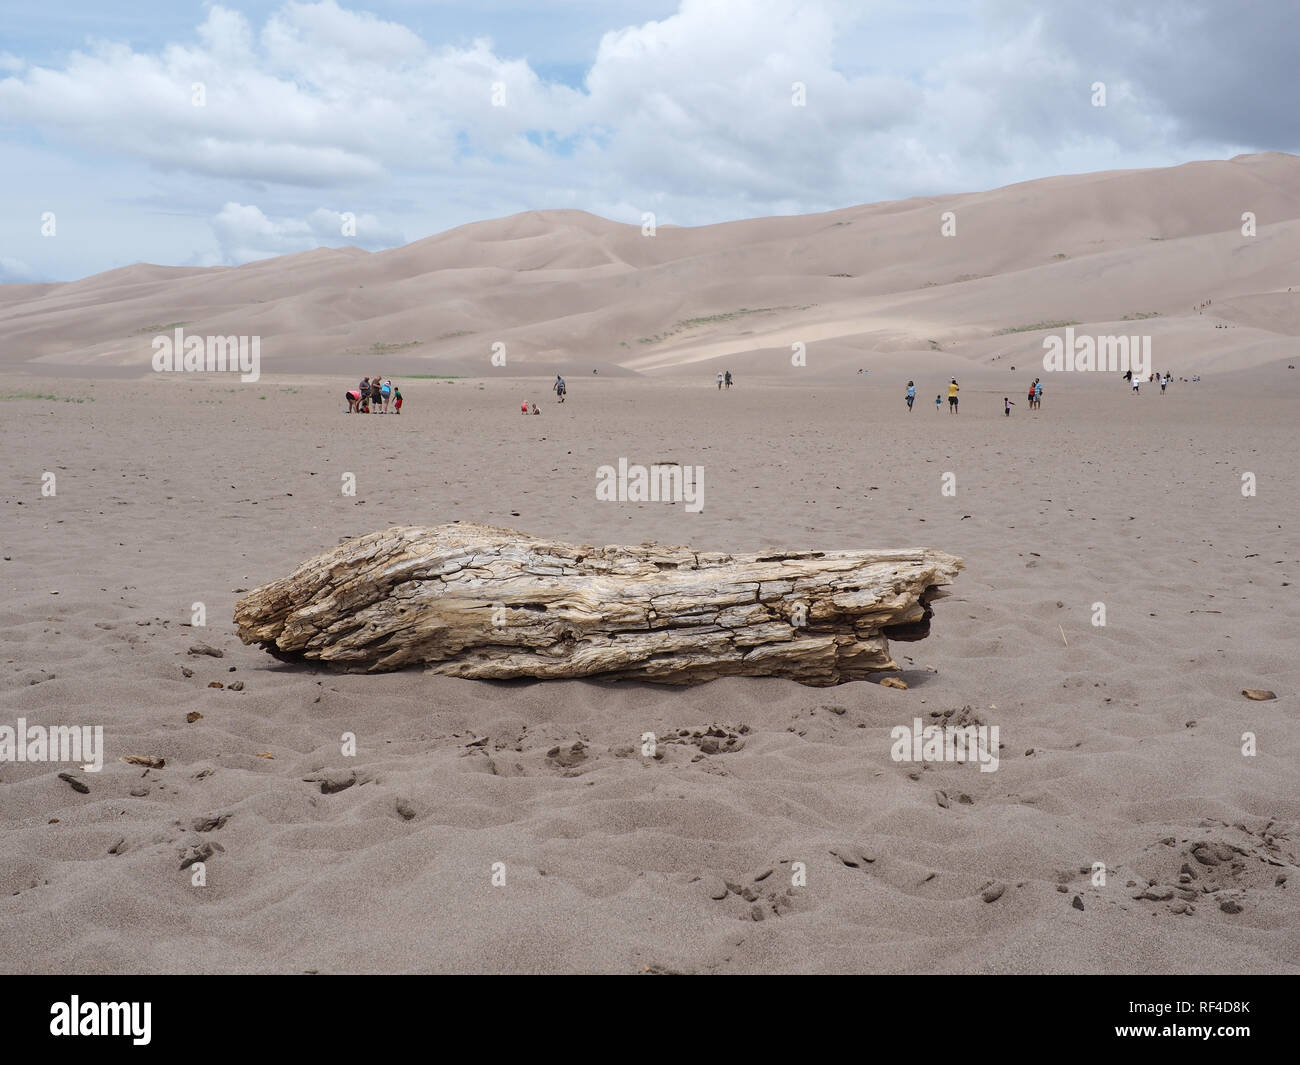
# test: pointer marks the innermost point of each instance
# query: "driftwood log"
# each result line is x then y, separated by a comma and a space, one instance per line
470, 600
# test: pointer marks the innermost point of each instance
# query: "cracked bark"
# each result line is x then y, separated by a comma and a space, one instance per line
479, 601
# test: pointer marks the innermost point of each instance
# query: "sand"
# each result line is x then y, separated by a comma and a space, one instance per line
1122, 743
1122, 747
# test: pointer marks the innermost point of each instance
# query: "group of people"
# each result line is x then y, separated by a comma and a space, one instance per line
1035, 394
560, 388
1035, 397
953, 389
374, 396
1162, 379
939, 399
724, 379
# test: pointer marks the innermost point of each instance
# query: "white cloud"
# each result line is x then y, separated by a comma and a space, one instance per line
245, 233
14, 271
690, 115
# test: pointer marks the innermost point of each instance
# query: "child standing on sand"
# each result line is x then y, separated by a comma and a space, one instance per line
911, 395
938, 404
397, 400
1006, 400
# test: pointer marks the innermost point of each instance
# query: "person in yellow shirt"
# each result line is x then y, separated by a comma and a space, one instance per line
952, 397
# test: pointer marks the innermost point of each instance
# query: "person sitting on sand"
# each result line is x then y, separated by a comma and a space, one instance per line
354, 401
537, 409
952, 396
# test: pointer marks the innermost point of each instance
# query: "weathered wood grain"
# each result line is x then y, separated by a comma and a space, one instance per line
471, 600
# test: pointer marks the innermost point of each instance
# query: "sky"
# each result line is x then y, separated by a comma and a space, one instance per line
208, 134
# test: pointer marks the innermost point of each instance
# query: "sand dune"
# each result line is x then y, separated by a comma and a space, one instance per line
568, 289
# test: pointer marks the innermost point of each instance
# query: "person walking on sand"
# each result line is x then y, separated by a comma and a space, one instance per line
952, 396
911, 395
1038, 394
938, 403
1030, 397
719, 382
1006, 402
558, 387
397, 400
727, 378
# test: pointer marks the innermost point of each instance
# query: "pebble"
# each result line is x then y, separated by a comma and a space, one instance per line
1077, 903
335, 780
405, 809
76, 785
993, 892
207, 649
236, 686
1228, 906
196, 854
714, 888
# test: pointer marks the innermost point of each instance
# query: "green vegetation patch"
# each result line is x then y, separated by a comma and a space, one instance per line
47, 396
1035, 327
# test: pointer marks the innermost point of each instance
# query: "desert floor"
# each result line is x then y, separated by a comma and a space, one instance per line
1123, 743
